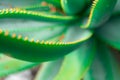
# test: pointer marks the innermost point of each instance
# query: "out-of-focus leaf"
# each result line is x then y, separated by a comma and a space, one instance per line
117, 7
110, 32
10, 65
49, 70
56, 3
105, 66
76, 64
19, 3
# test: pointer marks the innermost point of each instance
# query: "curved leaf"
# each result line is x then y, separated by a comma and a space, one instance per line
76, 64
105, 66
56, 3
16, 4
109, 32
10, 65
49, 70
32, 29
117, 7
34, 15
71, 7
99, 13
33, 50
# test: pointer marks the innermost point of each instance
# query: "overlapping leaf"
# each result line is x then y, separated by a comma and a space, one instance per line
109, 32
105, 66
10, 65
73, 66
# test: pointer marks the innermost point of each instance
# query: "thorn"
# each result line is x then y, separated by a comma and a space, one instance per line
21, 11
57, 43
6, 33
65, 43
46, 42
29, 12
37, 41
7, 10
26, 38
54, 42
32, 40
60, 43
13, 35
19, 36
0, 31
50, 43
42, 42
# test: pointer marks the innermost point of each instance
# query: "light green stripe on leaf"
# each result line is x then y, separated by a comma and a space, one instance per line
34, 15
77, 63
49, 70
100, 12
39, 51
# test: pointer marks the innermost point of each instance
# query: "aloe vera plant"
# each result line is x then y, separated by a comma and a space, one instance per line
72, 39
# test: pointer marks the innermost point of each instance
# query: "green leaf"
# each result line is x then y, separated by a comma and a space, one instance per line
72, 57
71, 7
10, 65
105, 66
16, 4
56, 3
99, 14
32, 29
76, 64
73, 66
32, 5
35, 15
49, 70
117, 7
30, 50
109, 32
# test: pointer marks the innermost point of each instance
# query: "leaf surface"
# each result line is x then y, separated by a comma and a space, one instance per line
10, 65
76, 64
109, 32
105, 65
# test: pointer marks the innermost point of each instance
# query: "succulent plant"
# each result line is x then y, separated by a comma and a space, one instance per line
71, 39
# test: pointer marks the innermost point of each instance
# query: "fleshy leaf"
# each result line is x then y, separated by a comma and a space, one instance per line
56, 3
26, 48
99, 13
34, 15
117, 7
49, 70
72, 65
32, 29
10, 65
71, 7
105, 66
16, 4
109, 32
76, 64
